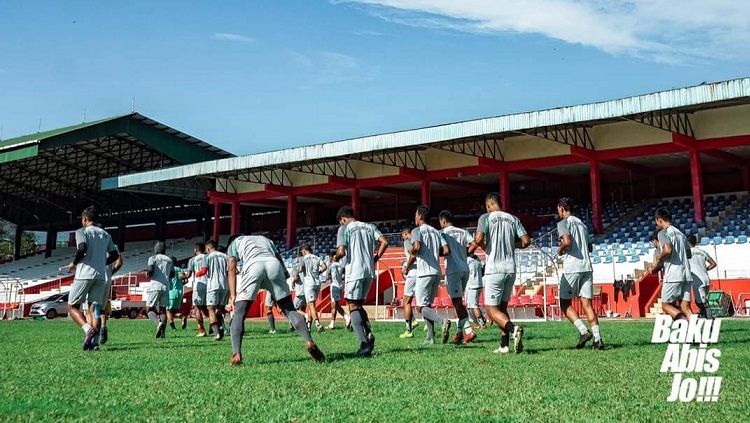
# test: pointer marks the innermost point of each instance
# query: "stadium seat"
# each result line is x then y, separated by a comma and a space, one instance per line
742, 239
729, 240
705, 241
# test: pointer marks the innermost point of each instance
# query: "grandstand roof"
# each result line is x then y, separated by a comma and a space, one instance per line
50, 176
479, 138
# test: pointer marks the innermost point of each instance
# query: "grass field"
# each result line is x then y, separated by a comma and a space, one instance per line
47, 377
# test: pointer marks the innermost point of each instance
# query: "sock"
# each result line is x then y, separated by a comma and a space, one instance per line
358, 324
581, 326
220, 318
509, 328
482, 321
86, 328
238, 325
472, 317
152, 316
171, 325
408, 325
597, 334
504, 340
430, 328
317, 323
366, 321
431, 314
215, 327
465, 325
296, 319
271, 321
163, 319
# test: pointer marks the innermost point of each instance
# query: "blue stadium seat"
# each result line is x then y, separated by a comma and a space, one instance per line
621, 259
716, 240
742, 239
634, 259
729, 240
596, 260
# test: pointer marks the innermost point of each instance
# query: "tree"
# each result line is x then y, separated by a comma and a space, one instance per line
7, 242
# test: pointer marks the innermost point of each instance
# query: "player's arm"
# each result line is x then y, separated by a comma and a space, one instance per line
445, 250
118, 264
564, 245
81, 248
382, 246
524, 241
323, 267
232, 279
280, 259
188, 272
666, 251
476, 243
711, 264
341, 243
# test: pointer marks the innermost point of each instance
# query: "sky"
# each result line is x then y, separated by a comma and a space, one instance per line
253, 76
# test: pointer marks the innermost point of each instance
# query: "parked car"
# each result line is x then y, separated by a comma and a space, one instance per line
51, 307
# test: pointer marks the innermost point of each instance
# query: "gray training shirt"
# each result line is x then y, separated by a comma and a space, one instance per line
500, 231
196, 263
475, 273
310, 267
699, 266
216, 278
252, 249
677, 265
407, 254
336, 271
428, 258
98, 246
163, 266
576, 258
358, 238
458, 240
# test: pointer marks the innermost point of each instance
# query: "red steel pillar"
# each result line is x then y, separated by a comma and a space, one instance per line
696, 180
426, 192
504, 189
356, 203
235, 217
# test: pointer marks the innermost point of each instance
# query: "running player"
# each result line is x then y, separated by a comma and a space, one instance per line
498, 232
95, 251
196, 263
309, 269
410, 282
700, 264
263, 268
356, 241
106, 304
427, 246
336, 274
216, 287
474, 291
268, 303
674, 256
457, 274
175, 297
578, 275
160, 270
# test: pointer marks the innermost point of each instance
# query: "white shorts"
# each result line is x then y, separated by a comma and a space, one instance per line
498, 288
456, 283
299, 301
86, 290
199, 294
312, 290
268, 275
426, 290
106, 293
700, 290
269, 300
217, 298
335, 294
157, 299
410, 283
357, 289
472, 297
574, 285
675, 291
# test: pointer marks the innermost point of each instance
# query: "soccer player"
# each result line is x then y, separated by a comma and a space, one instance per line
457, 274
175, 297
268, 304
196, 263
160, 270
336, 273
427, 246
674, 257
497, 232
474, 291
578, 275
309, 268
410, 283
700, 264
106, 303
95, 250
216, 287
356, 241
263, 268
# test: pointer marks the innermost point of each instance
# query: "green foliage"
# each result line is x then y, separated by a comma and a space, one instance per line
7, 242
46, 377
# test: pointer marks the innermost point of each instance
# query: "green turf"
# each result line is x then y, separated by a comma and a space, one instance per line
46, 377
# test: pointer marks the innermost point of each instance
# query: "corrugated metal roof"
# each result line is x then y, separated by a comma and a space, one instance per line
664, 100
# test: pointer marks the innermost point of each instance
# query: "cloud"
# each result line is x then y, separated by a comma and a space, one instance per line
328, 67
658, 30
226, 36
367, 32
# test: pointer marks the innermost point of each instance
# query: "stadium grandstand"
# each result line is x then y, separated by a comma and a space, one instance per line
686, 149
